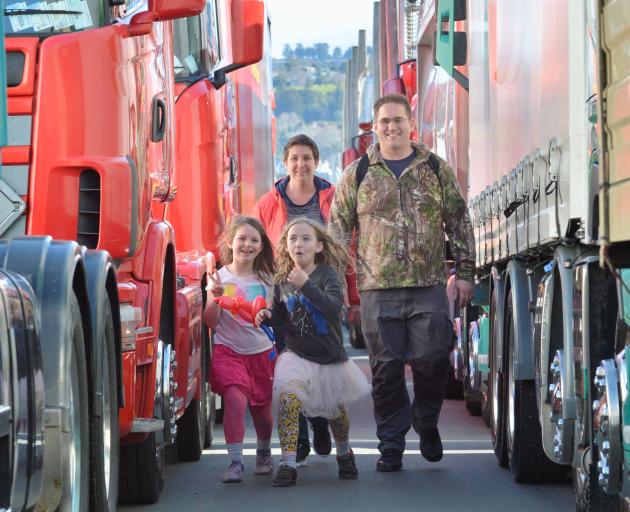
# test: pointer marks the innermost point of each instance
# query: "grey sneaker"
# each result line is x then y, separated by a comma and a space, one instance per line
234, 473
264, 462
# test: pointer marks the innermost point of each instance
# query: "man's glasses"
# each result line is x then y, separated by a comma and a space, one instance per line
396, 120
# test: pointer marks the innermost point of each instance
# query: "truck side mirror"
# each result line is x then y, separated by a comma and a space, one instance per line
163, 10
248, 30
450, 46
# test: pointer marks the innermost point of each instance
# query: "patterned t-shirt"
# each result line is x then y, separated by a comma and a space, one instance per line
309, 210
232, 330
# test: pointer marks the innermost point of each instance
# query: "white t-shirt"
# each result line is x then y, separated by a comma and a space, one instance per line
232, 330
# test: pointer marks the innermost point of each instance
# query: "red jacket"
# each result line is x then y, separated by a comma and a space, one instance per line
271, 210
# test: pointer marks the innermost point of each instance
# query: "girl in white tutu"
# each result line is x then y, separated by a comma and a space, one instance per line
314, 374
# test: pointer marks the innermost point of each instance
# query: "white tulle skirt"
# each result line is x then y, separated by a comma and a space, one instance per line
321, 388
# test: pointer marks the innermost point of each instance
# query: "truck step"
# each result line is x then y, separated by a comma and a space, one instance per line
147, 425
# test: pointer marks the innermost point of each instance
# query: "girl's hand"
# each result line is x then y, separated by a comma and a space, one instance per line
262, 315
216, 288
297, 277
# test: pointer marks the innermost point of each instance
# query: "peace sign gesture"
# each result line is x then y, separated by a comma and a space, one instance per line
215, 286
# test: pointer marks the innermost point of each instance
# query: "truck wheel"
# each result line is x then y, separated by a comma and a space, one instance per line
472, 406
356, 336
75, 443
486, 407
141, 472
471, 400
191, 427
210, 402
190, 432
142, 466
454, 388
527, 460
104, 451
589, 497
497, 392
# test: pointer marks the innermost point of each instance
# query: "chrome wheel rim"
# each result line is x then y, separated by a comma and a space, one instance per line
71, 476
607, 426
107, 422
511, 420
495, 379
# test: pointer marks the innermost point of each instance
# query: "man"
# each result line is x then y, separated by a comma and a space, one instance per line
405, 203
299, 194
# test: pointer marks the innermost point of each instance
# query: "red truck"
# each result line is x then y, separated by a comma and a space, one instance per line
101, 338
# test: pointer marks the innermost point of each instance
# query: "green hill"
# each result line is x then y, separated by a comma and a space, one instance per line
308, 85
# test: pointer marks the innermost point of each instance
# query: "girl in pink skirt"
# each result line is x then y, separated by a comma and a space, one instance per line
242, 369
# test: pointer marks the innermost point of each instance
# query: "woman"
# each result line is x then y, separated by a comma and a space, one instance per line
299, 194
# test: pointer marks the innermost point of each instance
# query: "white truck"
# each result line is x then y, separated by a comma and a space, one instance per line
536, 115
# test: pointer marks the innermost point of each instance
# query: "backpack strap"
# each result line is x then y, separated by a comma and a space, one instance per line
362, 169
364, 163
434, 163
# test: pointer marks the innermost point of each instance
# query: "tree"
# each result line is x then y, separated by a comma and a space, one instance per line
299, 51
337, 53
287, 52
321, 50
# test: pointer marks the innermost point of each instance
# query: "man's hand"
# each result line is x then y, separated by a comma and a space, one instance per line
354, 314
465, 291
297, 277
261, 316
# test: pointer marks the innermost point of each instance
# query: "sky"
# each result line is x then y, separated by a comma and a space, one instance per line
336, 22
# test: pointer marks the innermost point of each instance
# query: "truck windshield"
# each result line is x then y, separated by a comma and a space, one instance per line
46, 17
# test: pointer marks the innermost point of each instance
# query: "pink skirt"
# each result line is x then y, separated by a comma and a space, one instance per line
252, 374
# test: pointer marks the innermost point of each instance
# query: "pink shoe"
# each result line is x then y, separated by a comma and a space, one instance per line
234, 473
264, 462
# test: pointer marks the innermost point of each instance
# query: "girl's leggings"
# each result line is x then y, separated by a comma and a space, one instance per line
234, 417
288, 423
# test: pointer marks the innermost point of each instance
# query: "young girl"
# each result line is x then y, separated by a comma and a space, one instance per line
314, 374
242, 371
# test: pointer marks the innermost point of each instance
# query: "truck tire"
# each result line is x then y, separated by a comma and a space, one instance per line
589, 497
486, 407
142, 466
141, 472
496, 387
472, 406
191, 427
454, 388
77, 440
210, 395
527, 460
104, 453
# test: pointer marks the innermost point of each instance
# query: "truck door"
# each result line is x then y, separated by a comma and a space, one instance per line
615, 91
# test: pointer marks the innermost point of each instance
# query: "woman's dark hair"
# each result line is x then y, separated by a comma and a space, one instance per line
300, 140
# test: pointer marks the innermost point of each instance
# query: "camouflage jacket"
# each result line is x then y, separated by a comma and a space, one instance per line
400, 223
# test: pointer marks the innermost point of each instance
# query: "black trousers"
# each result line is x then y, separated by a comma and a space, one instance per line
406, 326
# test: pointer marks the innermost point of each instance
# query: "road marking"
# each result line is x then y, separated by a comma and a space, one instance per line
357, 451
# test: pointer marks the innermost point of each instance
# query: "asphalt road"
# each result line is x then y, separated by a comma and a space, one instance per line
468, 478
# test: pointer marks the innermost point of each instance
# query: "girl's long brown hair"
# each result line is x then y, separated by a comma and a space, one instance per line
332, 253
264, 265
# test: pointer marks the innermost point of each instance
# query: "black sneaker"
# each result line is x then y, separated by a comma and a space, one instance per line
347, 466
431, 444
303, 449
285, 477
321, 439
391, 460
